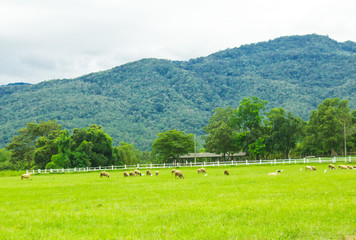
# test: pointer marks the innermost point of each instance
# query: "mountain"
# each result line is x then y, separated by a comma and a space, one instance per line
135, 101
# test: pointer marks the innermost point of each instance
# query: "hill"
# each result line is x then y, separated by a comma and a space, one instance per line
135, 101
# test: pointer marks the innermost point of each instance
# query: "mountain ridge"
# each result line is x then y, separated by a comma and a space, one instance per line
135, 101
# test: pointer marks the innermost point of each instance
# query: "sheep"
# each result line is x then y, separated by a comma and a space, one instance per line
199, 171
331, 166
343, 167
274, 173
132, 174
105, 174
126, 174
349, 167
157, 173
148, 173
179, 174
313, 168
26, 175
137, 172
308, 168
226, 172
203, 170
173, 171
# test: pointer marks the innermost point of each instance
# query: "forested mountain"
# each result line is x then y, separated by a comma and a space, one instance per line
135, 101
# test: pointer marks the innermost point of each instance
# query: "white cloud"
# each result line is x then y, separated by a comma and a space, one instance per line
41, 40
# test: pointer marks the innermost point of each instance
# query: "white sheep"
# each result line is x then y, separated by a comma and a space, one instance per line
26, 175
274, 173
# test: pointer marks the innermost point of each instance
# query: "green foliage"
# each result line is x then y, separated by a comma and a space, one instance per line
172, 144
220, 138
23, 145
135, 101
5, 157
285, 131
325, 129
128, 154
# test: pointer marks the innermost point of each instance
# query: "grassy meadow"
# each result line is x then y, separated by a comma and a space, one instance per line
248, 204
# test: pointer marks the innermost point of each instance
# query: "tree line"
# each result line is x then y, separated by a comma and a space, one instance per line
331, 130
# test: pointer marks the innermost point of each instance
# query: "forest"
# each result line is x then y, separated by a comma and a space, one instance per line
135, 101
249, 128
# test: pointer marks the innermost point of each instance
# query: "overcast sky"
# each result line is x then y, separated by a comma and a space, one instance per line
42, 39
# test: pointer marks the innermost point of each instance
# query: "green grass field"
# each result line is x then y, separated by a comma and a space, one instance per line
248, 204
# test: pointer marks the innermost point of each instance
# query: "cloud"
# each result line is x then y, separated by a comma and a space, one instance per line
42, 40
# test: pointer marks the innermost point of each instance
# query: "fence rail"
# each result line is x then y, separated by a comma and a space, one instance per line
199, 164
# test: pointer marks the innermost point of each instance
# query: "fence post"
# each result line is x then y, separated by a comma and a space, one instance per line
289, 160
46, 169
295, 160
260, 161
99, 167
246, 162
138, 165
349, 158
33, 170
204, 163
218, 163
26, 171
112, 167
345, 160
283, 161
125, 166
275, 161
51, 170
164, 165
39, 170
304, 160
191, 164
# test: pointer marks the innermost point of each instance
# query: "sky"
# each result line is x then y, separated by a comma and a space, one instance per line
42, 40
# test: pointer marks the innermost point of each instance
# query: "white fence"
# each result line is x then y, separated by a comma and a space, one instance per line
200, 164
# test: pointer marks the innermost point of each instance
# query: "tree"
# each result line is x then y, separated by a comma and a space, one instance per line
325, 129
128, 154
285, 130
220, 137
172, 144
23, 145
62, 159
91, 145
250, 132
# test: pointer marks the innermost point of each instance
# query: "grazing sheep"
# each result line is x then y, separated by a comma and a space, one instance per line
314, 168
105, 174
138, 172
26, 175
199, 171
226, 172
331, 166
343, 167
173, 171
126, 174
148, 173
179, 174
132, 174
308, 168
349, 167
274, 173
203, 170
157, 173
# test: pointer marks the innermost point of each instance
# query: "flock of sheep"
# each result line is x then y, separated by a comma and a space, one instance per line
179, 173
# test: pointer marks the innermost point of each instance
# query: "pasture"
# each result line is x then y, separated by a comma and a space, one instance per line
247, 204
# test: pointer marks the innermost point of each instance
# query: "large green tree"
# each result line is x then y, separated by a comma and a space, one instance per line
171, 144
23, 145
325, 129
91, 145
285, 130
220, 138
250, 132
